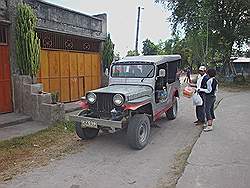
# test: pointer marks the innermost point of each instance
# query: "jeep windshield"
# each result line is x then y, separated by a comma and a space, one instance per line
132, 70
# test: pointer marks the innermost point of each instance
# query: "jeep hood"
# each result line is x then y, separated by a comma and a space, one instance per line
131, 92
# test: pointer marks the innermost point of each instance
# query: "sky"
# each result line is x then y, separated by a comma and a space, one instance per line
122, 18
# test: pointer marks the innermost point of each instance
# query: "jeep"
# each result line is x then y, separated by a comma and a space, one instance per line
141, 89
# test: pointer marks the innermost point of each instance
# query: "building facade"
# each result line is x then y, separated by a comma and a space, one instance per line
71, 43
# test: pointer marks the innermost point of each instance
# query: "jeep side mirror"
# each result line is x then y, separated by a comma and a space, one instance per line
162, 73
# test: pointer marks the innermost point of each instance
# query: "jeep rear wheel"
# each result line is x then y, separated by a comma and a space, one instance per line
85, 133
172, 112
138, 131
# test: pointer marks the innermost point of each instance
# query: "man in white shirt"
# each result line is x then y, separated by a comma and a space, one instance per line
210, 96
201, 84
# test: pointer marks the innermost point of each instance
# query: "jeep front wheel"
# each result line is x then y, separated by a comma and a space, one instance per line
85, 133
172, 112
138, 131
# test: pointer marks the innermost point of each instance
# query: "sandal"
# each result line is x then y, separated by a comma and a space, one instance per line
208, 128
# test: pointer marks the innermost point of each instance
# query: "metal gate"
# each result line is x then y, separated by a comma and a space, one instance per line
71, 74
5, 78
70, 64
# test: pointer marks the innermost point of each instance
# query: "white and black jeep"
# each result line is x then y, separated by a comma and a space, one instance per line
141, 89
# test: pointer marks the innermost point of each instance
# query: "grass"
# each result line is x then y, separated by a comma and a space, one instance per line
20, 154
235, 87
179, 163
178, 166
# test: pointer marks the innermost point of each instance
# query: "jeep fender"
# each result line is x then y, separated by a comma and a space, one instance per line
137, 103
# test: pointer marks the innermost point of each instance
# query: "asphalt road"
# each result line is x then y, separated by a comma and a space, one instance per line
108, 162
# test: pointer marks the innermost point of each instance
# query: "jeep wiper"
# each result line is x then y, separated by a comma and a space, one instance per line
147, 74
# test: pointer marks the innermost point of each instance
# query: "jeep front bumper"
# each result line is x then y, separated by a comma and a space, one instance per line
99, 122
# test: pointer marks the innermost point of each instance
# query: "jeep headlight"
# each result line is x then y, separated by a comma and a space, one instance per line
118, 100
91, 97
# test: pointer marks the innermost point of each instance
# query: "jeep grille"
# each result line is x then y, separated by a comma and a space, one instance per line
103, 105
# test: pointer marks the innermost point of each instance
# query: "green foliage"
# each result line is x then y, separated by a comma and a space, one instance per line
226, 22
108, 52
27, 42
54, 97
69, 126
149, 48
132, 53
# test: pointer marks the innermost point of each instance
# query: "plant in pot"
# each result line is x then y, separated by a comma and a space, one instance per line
54, 97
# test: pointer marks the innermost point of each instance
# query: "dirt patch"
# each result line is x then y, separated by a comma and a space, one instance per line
21, 154
178, 165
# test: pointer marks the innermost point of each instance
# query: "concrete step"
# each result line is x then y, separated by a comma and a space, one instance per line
21, 129
71, 107
10, 119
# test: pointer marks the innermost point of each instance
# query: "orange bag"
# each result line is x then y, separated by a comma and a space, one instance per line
188, 92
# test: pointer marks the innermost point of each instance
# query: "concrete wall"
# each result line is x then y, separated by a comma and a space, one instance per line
59, 19
3, 10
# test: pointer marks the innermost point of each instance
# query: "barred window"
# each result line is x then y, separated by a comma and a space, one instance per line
53, 40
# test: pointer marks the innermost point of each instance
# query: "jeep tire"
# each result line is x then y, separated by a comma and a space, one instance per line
85, 133
138, 131
172, 112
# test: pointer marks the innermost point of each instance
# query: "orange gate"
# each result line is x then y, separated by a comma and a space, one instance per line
5, 81
70, 73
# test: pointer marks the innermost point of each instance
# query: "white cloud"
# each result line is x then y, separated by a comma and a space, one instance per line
122, 17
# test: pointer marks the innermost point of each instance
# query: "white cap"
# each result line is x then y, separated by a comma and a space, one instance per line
202, 68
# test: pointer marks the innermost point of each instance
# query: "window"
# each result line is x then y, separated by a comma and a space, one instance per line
132, 70
3, 35
172, 70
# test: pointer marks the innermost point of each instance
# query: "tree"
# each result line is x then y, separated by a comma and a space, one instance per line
107, 53
247, 54
149, 48
132, 53
27, 41
226, 22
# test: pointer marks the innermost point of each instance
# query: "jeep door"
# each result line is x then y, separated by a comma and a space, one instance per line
161, 92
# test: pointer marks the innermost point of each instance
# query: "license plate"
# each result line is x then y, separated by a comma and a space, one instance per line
89, 124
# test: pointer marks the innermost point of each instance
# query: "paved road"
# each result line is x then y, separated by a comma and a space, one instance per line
108, 162
221, 159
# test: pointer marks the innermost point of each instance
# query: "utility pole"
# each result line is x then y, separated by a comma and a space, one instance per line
137, 30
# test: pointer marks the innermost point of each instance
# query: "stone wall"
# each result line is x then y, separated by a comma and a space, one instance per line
30, 100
